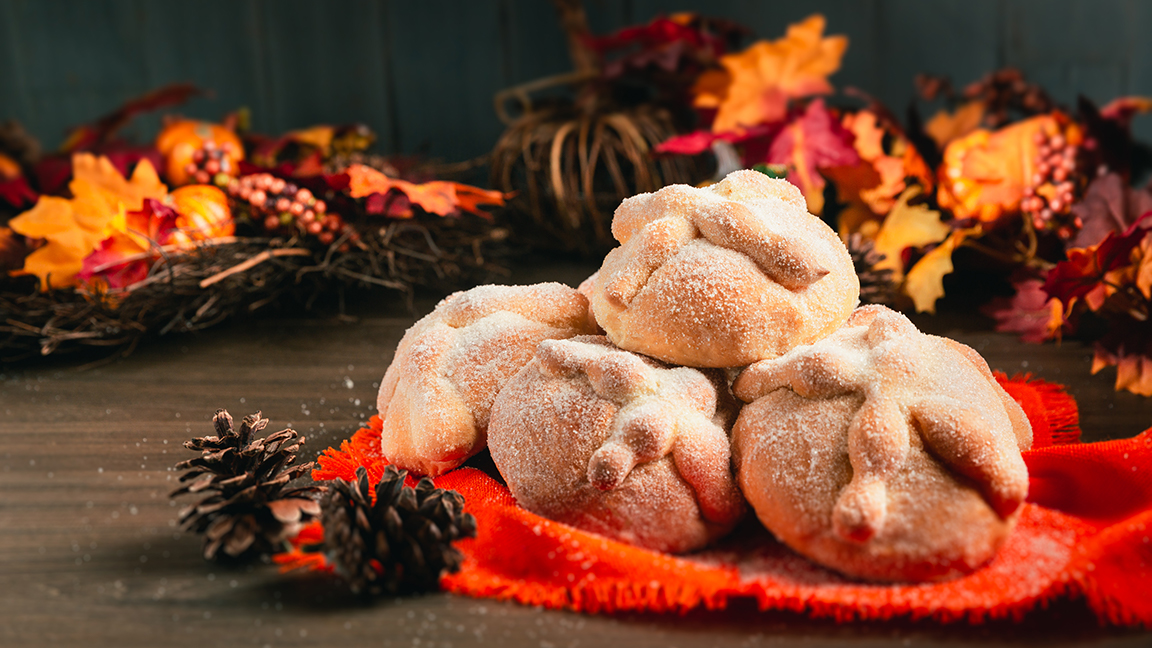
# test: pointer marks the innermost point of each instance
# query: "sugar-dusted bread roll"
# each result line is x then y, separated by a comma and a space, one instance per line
882, 452
436, 395
618, 444
722, 276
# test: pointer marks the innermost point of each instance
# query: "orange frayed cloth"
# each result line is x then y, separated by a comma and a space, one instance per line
1084, 533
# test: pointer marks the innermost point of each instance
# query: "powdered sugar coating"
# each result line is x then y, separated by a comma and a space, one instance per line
882, 452
615, 443
722, 276
436, 396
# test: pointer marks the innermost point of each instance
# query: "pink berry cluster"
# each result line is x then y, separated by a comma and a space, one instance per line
281, 206
211, 164
1052, 188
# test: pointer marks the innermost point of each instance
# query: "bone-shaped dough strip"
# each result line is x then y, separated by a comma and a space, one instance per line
740, 227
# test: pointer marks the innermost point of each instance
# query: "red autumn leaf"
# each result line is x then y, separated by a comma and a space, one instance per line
1086, 268
668, 43
17, 193
697, 142
1122, 109
86, 136
691, 144
661, 31
1109, 205
123, 258
1031, 313
813, 140
116, 261
154, 220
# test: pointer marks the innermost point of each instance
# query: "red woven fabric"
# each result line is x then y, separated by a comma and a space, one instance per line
1084, 533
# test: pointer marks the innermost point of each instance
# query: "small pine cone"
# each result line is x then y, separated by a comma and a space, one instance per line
248, 511
402, 541
18, 144
876, 286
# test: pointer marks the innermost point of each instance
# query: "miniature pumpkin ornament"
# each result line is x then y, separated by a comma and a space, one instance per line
203, 214
190, 146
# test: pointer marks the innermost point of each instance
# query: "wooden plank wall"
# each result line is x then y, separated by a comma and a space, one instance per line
422, 73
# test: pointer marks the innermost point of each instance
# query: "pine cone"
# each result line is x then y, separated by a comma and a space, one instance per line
248, 511
400, 542
876, 286
18, 144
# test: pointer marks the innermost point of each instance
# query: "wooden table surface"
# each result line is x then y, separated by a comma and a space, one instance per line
90, 553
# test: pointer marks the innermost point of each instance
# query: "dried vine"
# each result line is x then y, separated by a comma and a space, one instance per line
196, 289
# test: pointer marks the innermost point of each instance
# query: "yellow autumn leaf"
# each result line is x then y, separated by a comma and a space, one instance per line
925, 281
73, 228
317, 136
907, 226
762, 78
856, 217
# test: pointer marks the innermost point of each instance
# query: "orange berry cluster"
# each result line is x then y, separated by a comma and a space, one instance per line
1052, 188
211, 165
281, 206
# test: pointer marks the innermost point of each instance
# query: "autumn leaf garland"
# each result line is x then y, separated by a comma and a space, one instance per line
112, 228
1022, 183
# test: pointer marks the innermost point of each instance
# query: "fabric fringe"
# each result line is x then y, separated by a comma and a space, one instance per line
1054, 415
1106, 562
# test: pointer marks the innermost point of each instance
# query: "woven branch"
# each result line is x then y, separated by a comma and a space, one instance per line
193, 290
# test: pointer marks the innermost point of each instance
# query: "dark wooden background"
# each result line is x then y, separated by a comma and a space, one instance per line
91, 555
89, 552
423, 73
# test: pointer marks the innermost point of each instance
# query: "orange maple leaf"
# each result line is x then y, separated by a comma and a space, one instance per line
439, 197
1133, 370
757, 83
74, 228
984, 173
1143, 265
871, 187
